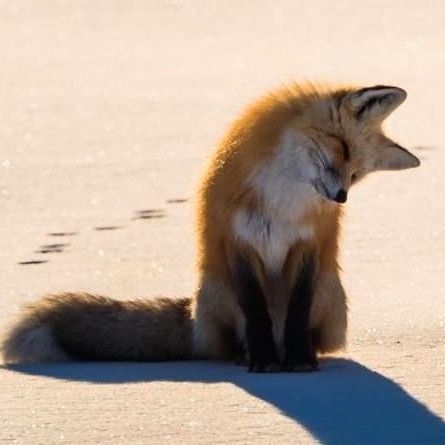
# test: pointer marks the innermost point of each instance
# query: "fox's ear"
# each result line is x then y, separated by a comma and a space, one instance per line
376, 103
392, 156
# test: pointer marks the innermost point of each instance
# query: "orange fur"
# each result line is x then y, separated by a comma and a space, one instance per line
326, 117
271, 192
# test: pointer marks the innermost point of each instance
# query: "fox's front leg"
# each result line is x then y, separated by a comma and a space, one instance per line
299, 351
260, 343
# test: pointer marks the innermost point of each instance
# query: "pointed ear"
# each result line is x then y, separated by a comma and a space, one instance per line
376, 103
394, 157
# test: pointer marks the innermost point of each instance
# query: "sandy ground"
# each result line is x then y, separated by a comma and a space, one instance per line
111, 108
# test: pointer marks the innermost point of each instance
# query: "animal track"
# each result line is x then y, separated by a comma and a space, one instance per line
104, 228
52, 248
26, 263
59, 247
62, 234
149, 214
177, 200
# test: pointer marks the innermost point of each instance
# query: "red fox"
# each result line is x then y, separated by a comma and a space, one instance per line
268, 215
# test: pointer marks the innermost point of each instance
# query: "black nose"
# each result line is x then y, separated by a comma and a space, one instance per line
341, 196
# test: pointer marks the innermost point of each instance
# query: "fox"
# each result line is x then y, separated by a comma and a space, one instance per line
268, 214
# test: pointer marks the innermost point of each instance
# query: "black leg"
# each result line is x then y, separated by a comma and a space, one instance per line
260, 343
299, 351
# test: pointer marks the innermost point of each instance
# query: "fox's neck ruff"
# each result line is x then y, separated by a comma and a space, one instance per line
288, 200
271, 237
283, 182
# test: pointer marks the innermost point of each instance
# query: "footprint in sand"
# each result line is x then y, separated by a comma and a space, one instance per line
59, 247
52, 248
177, 200
49, 248
26, 263
149, 214
105, 228
61, 234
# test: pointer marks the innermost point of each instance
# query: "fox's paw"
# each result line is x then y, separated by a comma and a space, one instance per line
299, 361
265, 360
264, 367
241, 359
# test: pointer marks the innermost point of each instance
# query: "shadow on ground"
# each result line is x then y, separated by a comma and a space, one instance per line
344, 403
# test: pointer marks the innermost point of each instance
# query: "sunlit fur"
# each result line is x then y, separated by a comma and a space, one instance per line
269, 192
84, 326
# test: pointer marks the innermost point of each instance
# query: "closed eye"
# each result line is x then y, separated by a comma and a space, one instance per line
331, 171
344, 145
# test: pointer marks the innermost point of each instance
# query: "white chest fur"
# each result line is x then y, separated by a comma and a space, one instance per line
283, 184
270, 237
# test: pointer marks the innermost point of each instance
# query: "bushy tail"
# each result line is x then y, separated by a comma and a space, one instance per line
79, 326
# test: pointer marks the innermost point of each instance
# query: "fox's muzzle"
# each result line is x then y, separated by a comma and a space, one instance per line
341, 196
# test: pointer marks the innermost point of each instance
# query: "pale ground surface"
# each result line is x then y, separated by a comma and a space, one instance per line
107, 108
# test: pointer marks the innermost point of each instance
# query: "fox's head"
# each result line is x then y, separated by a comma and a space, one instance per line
340, 140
